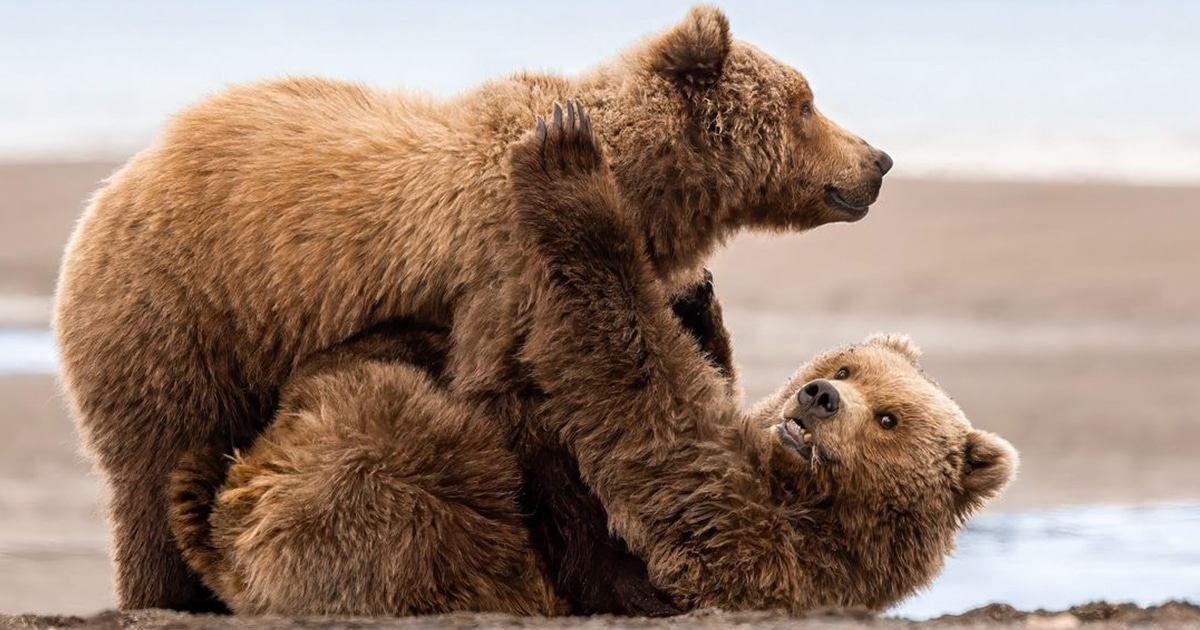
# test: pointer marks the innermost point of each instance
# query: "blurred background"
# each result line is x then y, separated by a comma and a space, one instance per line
1039, 237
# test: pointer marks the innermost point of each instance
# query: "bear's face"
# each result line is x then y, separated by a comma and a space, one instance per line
879, 469
869, 419
820, 173
709, 134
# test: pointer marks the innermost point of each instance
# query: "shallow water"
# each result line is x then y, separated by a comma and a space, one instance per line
1058, 558
26, 351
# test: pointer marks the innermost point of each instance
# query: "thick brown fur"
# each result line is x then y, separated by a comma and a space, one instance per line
337, 510
277, 219
591, 570
245, 557
727, 510
731, 509
372, 493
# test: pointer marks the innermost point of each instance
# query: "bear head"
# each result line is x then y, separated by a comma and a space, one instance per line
709, 134
869, 445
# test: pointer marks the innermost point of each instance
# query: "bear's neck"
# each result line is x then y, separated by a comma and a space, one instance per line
862, 549
683, 219
670, 186
865, 550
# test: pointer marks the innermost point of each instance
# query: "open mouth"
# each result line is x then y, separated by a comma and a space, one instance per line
834, 197
793, 434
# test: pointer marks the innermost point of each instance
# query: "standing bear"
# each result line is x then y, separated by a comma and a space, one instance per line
844, 489
277, 219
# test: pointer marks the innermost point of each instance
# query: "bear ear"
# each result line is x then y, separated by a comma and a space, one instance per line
692, 53
989, 463
900, 343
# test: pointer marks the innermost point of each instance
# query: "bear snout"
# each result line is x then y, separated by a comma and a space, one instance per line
883, 162
819, 399
859, 188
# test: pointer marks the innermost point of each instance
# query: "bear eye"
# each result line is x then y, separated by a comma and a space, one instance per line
842, 374
806, 109
887, 420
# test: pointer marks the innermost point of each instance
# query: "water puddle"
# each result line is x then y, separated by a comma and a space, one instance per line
27, 351
1058, 558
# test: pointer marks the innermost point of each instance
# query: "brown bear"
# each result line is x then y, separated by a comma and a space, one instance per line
376, 493
278, 219
391, 378
844, 489
852, 497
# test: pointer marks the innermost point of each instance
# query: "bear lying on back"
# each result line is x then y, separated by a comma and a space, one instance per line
383, 392
858, 508
374, 493
275, 220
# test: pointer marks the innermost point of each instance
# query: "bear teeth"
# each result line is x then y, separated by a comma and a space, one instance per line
808, 437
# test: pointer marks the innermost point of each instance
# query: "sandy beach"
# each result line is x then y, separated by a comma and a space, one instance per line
1065, 317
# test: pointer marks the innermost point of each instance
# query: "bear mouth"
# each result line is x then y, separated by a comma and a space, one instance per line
794, 435
835, 198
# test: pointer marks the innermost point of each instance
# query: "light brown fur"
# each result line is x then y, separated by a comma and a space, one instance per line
373, 493
276, 219
379, 495
340, 415
726, 511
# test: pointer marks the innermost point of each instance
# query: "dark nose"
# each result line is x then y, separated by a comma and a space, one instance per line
819, 398
883, 162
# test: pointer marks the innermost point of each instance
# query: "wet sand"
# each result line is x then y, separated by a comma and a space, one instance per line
1065, 317
1097, 615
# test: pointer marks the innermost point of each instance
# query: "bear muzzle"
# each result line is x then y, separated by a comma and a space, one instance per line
854, 199
818, 401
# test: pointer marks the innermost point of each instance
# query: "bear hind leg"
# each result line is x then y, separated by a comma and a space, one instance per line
375, 493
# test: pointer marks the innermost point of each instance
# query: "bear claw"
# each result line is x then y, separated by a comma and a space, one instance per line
562, 145
585, 120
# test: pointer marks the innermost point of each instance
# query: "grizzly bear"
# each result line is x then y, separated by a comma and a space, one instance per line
277, 219
850, 497
373, 382
373, 492
844, 489
406, 501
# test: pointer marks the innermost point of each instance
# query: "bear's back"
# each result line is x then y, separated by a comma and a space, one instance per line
266, 223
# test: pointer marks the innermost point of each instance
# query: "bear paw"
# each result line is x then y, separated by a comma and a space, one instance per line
568, 208
561, 149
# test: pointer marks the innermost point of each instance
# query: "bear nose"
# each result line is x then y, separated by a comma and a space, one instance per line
819, 398
883, 162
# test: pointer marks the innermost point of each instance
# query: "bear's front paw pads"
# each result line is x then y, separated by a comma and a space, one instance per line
563, 146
